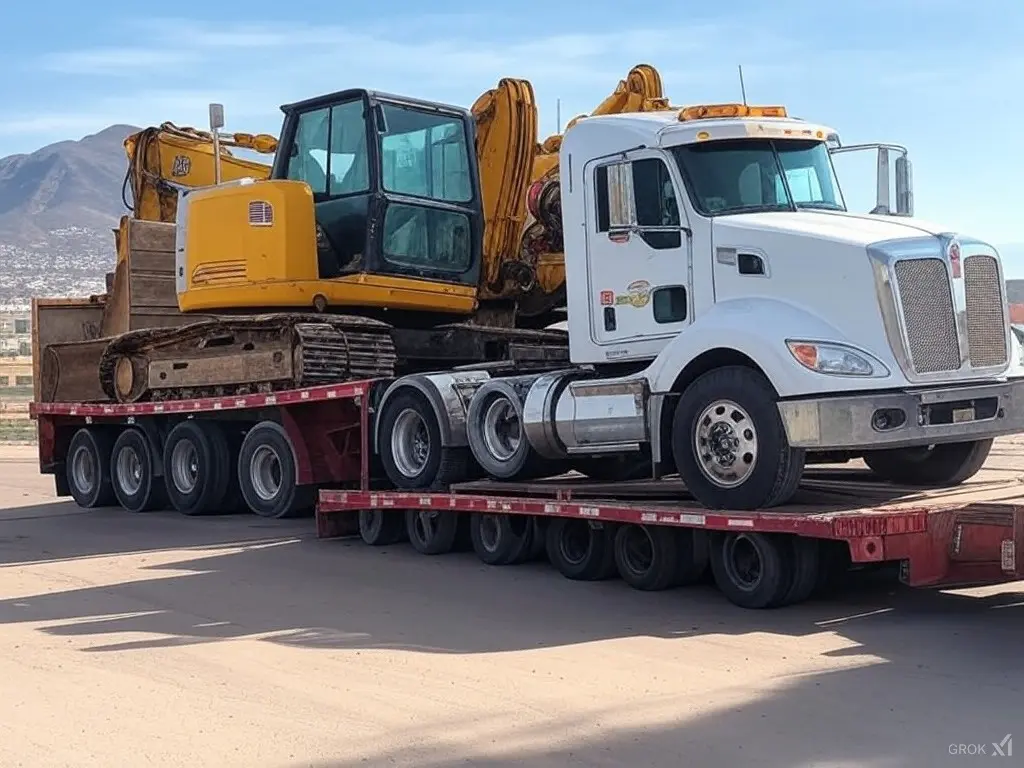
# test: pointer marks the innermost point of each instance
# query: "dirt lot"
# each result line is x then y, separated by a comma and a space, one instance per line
156, 640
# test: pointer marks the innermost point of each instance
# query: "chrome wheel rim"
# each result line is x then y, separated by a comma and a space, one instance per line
502, 430
410, 443
184, 466
725, 443
129, 470
83, 469
265, 473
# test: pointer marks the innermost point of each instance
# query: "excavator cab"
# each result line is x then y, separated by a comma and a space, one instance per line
373, 201
394, 184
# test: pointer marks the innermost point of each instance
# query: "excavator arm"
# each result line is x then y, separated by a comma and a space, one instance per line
523, 259
167, 158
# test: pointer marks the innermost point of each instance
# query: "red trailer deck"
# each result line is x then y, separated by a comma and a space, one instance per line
968, 535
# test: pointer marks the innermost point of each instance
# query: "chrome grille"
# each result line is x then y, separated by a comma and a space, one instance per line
928, 314
986, 329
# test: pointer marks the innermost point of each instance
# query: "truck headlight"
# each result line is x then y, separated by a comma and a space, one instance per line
836, 359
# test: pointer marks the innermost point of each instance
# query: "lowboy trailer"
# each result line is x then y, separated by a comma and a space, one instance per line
286, 453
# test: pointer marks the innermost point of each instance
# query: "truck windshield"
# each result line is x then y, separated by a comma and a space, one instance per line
744, 175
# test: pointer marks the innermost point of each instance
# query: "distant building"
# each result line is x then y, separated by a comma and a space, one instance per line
15, 357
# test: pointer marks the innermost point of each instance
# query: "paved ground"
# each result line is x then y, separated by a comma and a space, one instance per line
158, 640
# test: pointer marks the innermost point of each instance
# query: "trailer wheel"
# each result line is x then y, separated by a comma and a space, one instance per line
411, 449
646, 556
88, 468
751, 569
805, 553
431, 532
581, 551
379, 528
132, 473
691, 556
501, 539
494, 427
729, 442
943, 465
196, 467
266, 474
538, 540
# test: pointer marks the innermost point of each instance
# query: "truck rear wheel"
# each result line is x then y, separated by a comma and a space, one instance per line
88, 468
266, 474
410, 446
133, 475
752, 569
494, 427
943, 465
581, 551
379, 528
431, 532
729, 442
197, 467
647, 556
501, 539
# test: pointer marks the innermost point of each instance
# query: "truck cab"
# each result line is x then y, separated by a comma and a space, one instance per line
730, 320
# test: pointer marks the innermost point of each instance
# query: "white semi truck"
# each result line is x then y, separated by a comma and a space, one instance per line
731, 320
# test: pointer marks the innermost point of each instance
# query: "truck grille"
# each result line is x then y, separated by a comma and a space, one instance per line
928, 314
986, 330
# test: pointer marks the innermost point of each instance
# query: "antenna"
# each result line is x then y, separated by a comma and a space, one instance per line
558, 115
743, 89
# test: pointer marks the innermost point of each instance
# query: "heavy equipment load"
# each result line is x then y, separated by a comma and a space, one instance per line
438, 222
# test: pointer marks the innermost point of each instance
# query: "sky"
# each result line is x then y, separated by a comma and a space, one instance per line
941, 77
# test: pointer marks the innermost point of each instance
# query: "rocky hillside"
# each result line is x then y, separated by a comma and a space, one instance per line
57, 208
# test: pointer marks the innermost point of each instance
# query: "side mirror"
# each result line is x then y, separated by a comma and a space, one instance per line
620, 196
904, 187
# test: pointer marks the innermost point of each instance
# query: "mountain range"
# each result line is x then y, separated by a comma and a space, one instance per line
57, 208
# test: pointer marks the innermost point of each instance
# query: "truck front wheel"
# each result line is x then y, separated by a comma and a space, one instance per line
943, 465
729, 442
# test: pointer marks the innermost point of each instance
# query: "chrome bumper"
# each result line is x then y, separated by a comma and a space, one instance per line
928, 416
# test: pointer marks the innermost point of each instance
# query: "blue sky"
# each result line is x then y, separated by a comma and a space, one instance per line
939, 76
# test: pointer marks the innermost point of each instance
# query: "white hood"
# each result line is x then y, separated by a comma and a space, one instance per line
852, 228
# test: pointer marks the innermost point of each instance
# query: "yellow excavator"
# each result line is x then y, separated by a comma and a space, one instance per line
389, 235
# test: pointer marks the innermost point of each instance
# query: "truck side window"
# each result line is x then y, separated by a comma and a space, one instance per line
654, 197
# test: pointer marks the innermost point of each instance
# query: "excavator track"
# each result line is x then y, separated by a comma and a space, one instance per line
245, 355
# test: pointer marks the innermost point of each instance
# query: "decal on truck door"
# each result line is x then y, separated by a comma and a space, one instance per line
638, 294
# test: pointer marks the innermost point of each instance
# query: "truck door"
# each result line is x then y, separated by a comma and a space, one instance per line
638, 253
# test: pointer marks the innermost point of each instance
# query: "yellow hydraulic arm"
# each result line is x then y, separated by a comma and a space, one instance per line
162, 160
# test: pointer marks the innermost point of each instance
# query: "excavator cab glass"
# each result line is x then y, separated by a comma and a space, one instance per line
394, 183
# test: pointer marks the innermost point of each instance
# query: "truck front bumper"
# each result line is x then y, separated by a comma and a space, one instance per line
906, 418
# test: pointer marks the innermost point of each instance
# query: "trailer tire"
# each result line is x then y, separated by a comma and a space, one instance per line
496, 408
751, 569
267, 477
581, 551
707, 415
943, 465
431, 532
87, 468
411, 449
501, 539
806, 557
380, 528
133, 473
197, 467
647, 556
691, 556
538, 540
